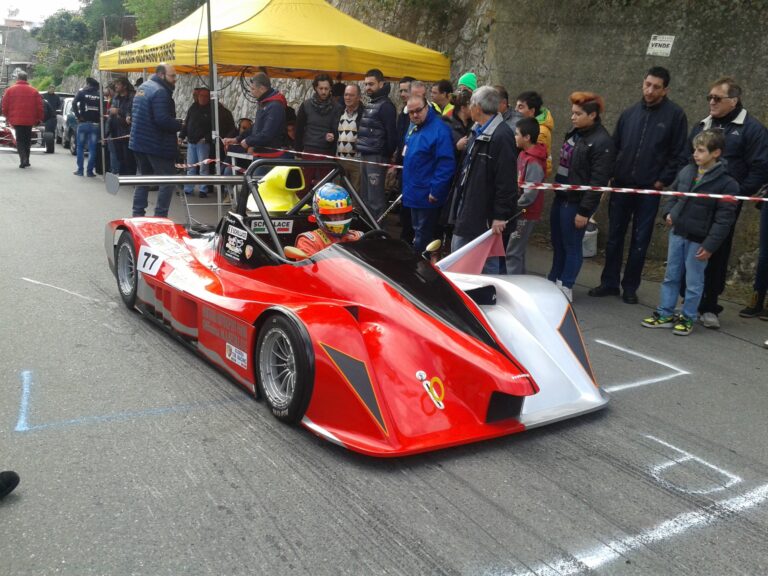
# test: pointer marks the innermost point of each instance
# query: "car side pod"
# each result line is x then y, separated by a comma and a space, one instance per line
536, 323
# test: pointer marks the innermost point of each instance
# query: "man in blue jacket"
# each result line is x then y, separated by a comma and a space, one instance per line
746, 157
428, 166
651, 148
153, 136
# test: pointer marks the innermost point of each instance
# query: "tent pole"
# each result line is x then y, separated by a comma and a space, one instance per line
213, 83
101, 126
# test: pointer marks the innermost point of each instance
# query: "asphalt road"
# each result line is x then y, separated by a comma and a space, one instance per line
137, 457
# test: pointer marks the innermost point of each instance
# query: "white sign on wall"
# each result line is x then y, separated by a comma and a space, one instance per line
660, 45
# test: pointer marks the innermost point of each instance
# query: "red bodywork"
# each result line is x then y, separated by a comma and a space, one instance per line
353, 317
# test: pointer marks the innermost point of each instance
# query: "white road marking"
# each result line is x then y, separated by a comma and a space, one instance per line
62, 289
656, 471
625, 386
607, 552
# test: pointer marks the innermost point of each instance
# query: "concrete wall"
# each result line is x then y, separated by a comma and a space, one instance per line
556, 47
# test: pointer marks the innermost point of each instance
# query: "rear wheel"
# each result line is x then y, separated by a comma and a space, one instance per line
285, 372
125, 269
49, 140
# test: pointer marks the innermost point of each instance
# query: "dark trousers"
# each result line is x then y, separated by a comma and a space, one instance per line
423, 221
23, 143
717, 272
761, 274
641, 212
153, 165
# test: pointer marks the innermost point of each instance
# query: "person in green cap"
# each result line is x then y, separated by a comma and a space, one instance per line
467, 81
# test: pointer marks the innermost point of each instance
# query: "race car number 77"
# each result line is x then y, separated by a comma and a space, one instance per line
149, 262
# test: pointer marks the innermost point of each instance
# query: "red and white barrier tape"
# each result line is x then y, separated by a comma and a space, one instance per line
647, 192
212, 161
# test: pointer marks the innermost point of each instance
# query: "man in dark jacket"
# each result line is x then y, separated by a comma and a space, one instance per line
86, 108
746, 160
485, 189
316, 119
197, 129
153, 136
268, 133
376, 140
119, 128
316, 125
23, 108
651, 148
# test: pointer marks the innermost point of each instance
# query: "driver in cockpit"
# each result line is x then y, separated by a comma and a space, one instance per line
332, 208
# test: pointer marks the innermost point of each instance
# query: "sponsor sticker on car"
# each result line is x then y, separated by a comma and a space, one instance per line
281, 226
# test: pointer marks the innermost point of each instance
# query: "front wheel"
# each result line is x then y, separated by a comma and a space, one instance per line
72, 143
125, 269
285, 368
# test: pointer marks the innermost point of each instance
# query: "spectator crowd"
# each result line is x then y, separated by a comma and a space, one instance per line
458, 158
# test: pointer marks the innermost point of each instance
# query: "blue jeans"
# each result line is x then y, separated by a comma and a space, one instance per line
492, 265
641, 211
147, 165
567, 251
682, 263
87, 132
197, 153
761, 274
423, 220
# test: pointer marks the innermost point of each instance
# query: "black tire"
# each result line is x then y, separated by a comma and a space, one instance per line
72, 143
58, 138
126, 271
284, 368
49, 140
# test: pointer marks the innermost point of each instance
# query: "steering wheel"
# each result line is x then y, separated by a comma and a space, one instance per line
376, 233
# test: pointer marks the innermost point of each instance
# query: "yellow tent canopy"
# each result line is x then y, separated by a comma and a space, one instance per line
285, 38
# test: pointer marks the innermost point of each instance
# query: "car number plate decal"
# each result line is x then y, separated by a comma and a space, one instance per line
149, 262
237, 356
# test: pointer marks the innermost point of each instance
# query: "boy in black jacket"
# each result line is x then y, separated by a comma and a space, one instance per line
699, 226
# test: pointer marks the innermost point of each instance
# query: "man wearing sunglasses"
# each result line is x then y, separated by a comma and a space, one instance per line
746, 156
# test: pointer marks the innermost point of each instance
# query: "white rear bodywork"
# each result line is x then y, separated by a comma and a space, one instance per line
527, 318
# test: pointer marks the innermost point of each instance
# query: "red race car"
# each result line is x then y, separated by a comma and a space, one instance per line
367, 344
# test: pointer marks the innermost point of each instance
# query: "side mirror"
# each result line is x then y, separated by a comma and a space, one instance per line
293, 253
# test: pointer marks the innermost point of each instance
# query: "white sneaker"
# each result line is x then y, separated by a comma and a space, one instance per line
559, 283
765, 343
710, 320
567, 291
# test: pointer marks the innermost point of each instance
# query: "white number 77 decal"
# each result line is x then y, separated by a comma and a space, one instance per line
149, 262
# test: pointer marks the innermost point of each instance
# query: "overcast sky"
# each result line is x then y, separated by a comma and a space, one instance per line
35, 10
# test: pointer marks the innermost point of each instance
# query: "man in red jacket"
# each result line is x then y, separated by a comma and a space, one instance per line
23, 108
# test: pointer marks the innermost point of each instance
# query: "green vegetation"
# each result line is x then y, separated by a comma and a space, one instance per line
68, 40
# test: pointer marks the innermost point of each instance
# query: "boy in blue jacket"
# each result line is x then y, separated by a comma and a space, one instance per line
698, 227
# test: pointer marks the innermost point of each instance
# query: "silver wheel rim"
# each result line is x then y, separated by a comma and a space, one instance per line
126, 270
277, 365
